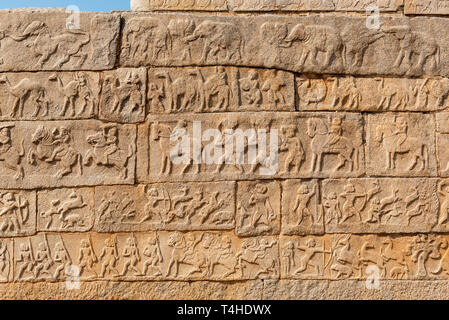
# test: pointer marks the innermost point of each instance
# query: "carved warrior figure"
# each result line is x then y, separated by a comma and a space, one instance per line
106, 152
27, 90
300, 208
5, 266
55, 147
64, 211
125, 94
87, 257
77, 89
61, 258
308, 258
9, 155
66, 45
292, 146
255, 252
395, 139
14, 212
329, 139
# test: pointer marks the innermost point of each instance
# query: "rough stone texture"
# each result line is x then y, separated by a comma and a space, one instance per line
41, 40
351, 203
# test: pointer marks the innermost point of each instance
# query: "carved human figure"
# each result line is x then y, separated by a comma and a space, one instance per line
61, 259
307, 259
131, 257
5, 266
343, 261
124, 93
9, 155
152, 209
15, 211
44, 261
273, 86
292, 146
109, 256
154, 258
300, 207
87, 257
26, 259
155, 95
162, 133
262, 212
250, 89
443, 193
288, 257
64, 211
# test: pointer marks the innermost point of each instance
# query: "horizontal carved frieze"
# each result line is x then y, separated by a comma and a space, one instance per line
53, 39
259, 146
166, 206
425, 7
66, 153
141, 256
313, 43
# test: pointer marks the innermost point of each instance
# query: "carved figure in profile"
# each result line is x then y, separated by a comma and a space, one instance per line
10, 155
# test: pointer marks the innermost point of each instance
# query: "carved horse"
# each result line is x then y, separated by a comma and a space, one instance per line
343, 148
118, 159
44, 149
414, 147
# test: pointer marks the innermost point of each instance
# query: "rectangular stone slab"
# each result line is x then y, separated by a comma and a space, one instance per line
346, 256
66, 153
385, 205
335, 93
300, 6
156, 255
300, 146
49, 95
165, 206
401, 145
49, 39
218, 89
123, 95
176, 5
340, 44
428, 7
301, 214
18, 213
258, 208
66, 210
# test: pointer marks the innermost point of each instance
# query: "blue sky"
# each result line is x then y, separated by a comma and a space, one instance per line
84, 5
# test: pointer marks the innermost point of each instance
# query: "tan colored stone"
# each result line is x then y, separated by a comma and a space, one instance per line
176, 5
145, 256
442, 142
219, 89
333, 44
325, 5
371, 94
66, 210
383, 205
401, 144
168, 206
17, 213
346, 256
258, 208
426, 7
302, 151
300, 212
123, 95
49, 96
49, 39
62, 153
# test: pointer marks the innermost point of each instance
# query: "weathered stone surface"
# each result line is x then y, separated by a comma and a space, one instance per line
17, 213
309, 145
66, 210
48, 39
61, 153
371, 94
426, 7
258, 208
218, 89
384, 205
346, 256
168, 206
442, 142
401, 144
49, 96
354, 290
300, 212
123, 95
176, 5
144, 256
402, 46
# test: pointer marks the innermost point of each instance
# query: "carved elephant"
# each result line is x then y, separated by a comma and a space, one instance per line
317, 38
219, 37
145, 35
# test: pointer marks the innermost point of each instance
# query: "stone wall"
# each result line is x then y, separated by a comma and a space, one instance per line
93, 206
